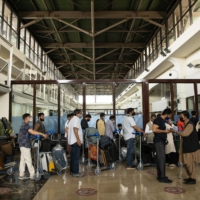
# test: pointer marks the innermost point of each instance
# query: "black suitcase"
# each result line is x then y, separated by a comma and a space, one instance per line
105, 142
113, 154
46, 145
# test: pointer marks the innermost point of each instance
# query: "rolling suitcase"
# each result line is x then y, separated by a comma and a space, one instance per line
46, 161
113, 154
59, 157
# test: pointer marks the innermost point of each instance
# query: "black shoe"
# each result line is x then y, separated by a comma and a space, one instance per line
190, 181
165, 180
186, 179
158, 178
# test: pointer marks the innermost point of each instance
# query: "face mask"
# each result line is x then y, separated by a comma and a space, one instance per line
113, 121
42, 119
167, 118
88, 120
30, 119
133, 114
81, 116
181, 119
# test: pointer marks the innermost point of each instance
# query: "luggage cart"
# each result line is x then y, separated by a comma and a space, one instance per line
83, 159
98, 169
140, 165
37, 144
9, 163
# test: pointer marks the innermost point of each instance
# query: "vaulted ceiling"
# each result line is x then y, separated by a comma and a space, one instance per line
97, 39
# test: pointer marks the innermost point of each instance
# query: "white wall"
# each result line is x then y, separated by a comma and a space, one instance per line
4, 105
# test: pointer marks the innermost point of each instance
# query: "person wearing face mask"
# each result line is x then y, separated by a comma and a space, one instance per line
75, 139
160, 140
110, 127
25, 147
129, 126
84, 122
148, 129
39, 126
101, 124
189, 148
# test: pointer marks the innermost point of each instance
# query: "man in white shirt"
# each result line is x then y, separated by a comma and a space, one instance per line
75, 139
129, 127
148, 129
69, 117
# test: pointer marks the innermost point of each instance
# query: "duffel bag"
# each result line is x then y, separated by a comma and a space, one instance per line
7, 148
46, 145
105, 142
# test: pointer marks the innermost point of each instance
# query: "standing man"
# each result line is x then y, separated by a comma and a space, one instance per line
101, 124
189, 148
25, 147
129, 126
160, 140
194, 119
84, 122
69, 117
149, 129
39, 126
75, 139
110, 127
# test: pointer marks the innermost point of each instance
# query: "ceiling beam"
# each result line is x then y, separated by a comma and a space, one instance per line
93, 38
88, 71
155, 23
110, 30
104, 68
97, 15
30, 23
109, 27
89, 45
106, 72
91, 62
73, 26
106, 54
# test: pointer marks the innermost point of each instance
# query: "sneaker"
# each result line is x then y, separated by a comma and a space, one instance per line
190, 181
24, 177
131, 167
32, 178
78, 175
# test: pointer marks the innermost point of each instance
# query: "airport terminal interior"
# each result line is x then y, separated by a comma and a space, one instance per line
99, 56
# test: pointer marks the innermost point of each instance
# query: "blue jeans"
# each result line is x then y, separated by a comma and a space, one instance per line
74, 158
130, 151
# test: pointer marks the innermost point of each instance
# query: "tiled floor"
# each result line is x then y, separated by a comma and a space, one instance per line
118, 184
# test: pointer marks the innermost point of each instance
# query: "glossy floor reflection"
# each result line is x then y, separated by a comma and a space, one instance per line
118, 184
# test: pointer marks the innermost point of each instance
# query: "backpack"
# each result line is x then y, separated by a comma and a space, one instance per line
7, 125
2, 128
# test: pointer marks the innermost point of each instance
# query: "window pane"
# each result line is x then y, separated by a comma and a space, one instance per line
14, 22
27, 37
32, 42
1, 4
7, 14
22, 45
14, 38
6, 30
22, 32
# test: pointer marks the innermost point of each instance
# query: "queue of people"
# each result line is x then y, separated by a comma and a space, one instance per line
159, 130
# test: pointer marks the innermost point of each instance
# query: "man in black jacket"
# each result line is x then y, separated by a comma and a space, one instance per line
84, 121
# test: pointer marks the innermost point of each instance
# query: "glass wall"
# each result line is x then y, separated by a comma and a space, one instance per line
22, 102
